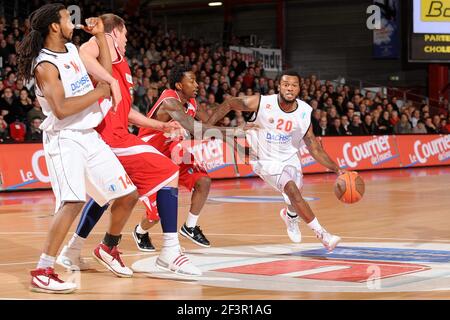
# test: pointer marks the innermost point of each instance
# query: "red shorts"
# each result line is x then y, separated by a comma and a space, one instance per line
147, 168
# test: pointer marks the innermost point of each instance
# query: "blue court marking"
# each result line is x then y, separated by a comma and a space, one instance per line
21, 184
254, 199
411, 164
387, 159
219, 167
309, 164
379, 254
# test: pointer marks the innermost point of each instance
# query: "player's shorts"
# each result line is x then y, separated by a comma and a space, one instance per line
271, 172
79, 163
148, 168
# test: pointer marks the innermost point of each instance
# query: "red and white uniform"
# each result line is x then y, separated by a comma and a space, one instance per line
147, 168
189, 173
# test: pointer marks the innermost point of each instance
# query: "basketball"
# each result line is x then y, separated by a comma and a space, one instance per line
349, 187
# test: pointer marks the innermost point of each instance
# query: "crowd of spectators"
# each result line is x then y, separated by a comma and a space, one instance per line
339, 110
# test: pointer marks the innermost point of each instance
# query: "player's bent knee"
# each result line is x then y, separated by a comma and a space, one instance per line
289, 174
203, 184
72, 207
290, 188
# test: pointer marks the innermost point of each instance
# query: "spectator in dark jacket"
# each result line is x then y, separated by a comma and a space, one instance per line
356, 127
336, 128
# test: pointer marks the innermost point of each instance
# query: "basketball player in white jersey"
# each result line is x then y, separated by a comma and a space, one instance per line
283, 122
78, 160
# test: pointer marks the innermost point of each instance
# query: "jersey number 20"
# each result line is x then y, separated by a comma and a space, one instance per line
284, 125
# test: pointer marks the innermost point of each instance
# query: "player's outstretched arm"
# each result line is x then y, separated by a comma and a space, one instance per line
246, 103
318, 153
96, 57
176, 111
139, 120
47, 78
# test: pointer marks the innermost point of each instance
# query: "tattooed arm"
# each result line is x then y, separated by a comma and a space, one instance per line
176, 111
318, 153
246, 103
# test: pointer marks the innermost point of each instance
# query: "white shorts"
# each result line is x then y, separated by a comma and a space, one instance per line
80, 163
271, 172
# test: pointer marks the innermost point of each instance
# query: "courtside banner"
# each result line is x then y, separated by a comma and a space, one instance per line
215, 156
424, 150
22, 166
363, 152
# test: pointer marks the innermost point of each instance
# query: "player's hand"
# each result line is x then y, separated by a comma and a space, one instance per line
93, 26
116, 94
104, 88
174, 128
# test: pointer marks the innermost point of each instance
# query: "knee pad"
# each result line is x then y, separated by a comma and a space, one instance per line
289, 173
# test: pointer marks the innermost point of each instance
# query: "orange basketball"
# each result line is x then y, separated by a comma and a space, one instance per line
349, 187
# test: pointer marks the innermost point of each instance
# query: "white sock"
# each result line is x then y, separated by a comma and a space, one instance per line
291, 214
76, 242
315, 226
170, 240
191, 220
46, 261
140, 230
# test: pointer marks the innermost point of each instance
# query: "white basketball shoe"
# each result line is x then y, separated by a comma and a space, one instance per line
174, 260
71, 259
292, 227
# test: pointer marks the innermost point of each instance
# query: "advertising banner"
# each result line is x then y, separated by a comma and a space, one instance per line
424, 150
22, 166
363, 152
271, 58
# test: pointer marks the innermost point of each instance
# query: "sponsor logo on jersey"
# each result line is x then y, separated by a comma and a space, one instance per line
66, 66
129, 78
75, 66
85, 80
112, 187
268, 107
278, 137
190, 110
271, 120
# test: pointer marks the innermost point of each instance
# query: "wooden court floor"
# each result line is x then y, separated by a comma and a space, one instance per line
408, 210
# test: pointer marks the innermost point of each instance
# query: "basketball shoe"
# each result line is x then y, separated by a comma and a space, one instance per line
143, 241
328, 240
196, 235
47, 281
110, 258
71, 259
292, 228
174, 260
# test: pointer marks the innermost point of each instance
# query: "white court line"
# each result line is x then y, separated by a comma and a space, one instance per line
314, 271
254, 235
89, 258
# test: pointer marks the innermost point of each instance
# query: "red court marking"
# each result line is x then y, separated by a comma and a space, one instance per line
357, 271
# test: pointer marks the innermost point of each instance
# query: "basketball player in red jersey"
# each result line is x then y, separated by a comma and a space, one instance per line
194, 178
151, 171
